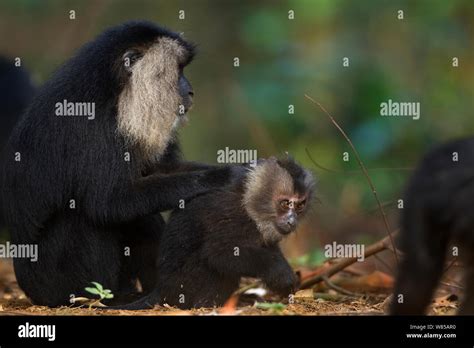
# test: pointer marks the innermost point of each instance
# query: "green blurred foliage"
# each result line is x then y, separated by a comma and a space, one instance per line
281, 60
312, 259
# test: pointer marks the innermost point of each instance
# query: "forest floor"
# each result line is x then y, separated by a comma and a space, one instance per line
317, 301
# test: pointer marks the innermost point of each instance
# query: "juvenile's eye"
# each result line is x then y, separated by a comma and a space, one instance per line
300, 205
285, 204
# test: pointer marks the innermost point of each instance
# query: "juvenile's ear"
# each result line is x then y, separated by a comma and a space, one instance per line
129, 58
260, 161
309, 181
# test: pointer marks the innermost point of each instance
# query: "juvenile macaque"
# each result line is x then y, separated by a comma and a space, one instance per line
227, 234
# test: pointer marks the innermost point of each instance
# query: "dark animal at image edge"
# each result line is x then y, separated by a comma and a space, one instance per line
227, 234
438, 213
75, 194
16, 91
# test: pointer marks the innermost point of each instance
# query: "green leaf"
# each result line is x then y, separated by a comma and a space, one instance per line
93, 291
274, 306
98, 286
109, 295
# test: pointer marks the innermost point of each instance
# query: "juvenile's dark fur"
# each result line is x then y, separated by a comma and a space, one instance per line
117, 202
438, 211
196, 253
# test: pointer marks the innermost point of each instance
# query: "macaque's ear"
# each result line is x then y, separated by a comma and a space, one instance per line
129, 58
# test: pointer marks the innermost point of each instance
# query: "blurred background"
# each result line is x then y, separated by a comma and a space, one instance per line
281, 60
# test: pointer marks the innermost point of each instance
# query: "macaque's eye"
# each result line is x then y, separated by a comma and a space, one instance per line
285, 204
133, 59
129, 58
300, 206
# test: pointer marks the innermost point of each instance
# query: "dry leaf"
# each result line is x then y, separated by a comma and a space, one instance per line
230, 306
304, 294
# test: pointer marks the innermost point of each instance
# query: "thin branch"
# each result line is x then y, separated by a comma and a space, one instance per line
339, 289
460, 287
364, 170
387, 266
320, 166
316, 164
243, 289
451, 264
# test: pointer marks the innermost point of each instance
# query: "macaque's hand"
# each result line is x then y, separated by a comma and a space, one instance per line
283, 282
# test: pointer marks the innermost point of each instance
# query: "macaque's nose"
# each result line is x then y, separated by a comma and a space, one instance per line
291, 222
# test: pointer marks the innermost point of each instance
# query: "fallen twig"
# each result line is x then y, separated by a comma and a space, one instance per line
372, 249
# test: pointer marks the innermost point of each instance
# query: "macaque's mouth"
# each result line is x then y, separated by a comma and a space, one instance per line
186, 109
285, 229
187, 104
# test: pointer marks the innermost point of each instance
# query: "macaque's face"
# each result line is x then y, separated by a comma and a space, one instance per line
288, 209
156, 95
277, 195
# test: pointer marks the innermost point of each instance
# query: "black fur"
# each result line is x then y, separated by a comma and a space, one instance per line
196, 252
438, 211
16, 91
117, 202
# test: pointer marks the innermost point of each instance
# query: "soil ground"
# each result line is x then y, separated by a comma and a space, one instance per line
306, 302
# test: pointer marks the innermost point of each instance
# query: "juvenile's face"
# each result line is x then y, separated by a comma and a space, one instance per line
288, 210
276, 197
